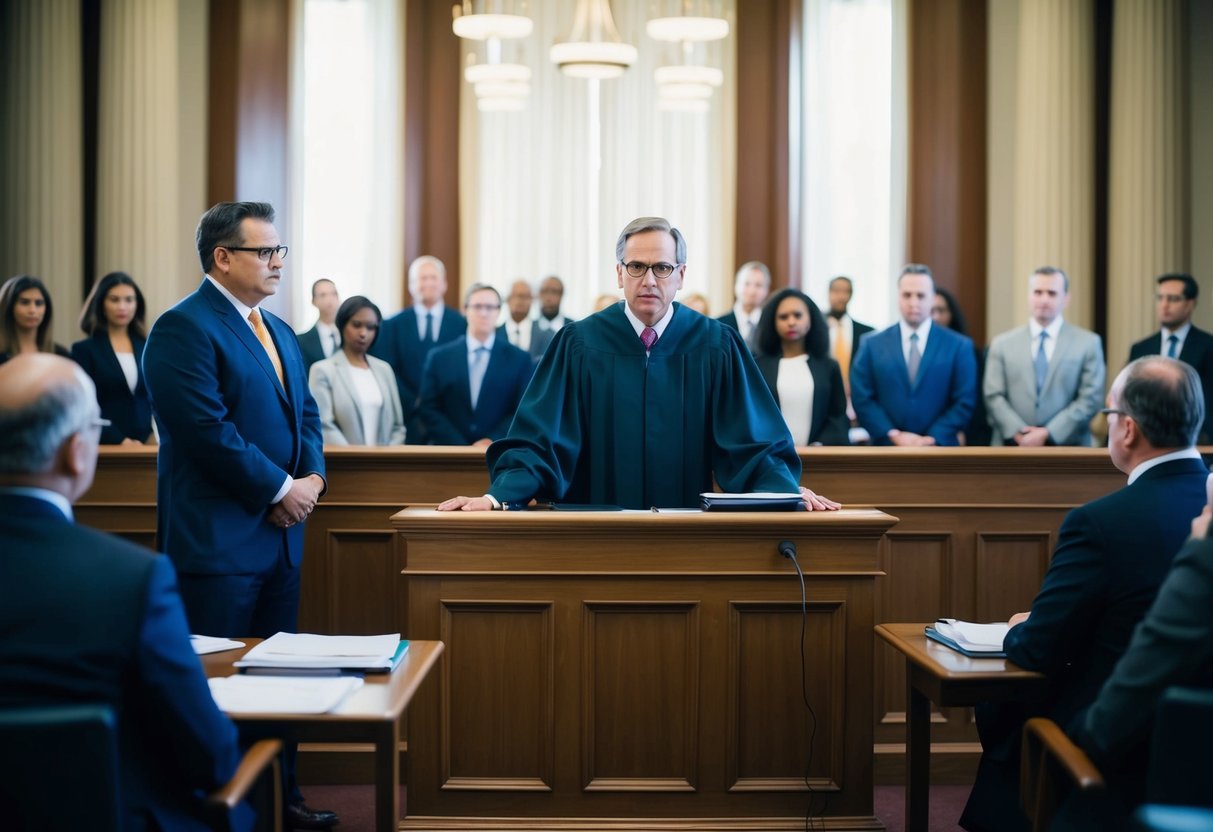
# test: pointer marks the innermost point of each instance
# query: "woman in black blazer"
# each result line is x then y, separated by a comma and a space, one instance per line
113, 355
792, 333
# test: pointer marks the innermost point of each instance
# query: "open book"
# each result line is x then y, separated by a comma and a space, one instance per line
969, 638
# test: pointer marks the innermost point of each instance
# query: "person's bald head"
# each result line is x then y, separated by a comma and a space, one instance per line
49, 423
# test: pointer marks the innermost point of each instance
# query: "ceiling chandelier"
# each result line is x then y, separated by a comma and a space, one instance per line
593, 48
499, 86
687, 87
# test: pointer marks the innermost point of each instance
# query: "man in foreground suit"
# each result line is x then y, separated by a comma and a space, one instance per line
914, 384
1044, 381
240, 466
1112, 554
522, 332
751, 286
471, 388
407, 337
323, 339
643, 404
91, 618
1175, 300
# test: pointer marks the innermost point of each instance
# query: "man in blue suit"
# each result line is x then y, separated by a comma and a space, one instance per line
90, 618
914, 384
471, 388
240, 464
1111, 557
405, 339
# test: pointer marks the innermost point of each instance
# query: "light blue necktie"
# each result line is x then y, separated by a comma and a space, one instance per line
480, 363
1041, 363
1172, 345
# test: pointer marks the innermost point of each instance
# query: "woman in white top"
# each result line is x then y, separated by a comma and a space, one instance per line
112, 356
794, 356
355, 392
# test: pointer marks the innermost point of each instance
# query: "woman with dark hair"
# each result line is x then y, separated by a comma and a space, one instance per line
355, 392
946, 311
794, 356
112, 317
25, 318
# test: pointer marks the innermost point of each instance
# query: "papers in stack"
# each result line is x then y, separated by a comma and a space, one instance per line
210, 644
969, 638
308, 654
279, 695
752, 501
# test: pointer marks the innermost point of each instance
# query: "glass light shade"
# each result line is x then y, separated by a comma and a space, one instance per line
502, 89
684, 91
593, 48
501, 105
697, 29
683, 105
688, 74
497, 73
485, 26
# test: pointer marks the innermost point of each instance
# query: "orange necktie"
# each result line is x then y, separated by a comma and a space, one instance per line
842, 354
263, 335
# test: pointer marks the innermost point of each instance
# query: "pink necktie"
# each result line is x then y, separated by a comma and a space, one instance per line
648, 338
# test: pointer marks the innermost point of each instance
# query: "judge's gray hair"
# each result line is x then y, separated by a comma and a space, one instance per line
30, 436
642, 224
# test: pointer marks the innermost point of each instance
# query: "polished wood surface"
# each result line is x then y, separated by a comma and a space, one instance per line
937, 674
977, 527
370, 714
635, 666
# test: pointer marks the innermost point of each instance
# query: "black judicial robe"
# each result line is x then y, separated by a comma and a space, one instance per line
602, 423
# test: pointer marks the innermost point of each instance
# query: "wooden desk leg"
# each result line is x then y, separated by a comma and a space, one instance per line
387, 778
918, 755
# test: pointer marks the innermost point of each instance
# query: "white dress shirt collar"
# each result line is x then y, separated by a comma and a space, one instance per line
422, 310
639, 325
474, 344
1054, 329
924, 332
1186, 453
241, 310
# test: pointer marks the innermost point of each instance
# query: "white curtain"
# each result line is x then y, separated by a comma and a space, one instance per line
528, 178
347, 151
855, 151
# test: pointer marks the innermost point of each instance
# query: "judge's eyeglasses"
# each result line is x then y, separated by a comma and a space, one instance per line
660, 270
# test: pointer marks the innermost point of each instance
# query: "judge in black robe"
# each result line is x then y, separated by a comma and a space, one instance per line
607, 421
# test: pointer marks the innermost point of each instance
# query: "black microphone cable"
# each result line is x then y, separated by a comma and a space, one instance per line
788, 549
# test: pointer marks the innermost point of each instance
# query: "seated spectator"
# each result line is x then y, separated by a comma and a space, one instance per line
793, 354
25, 318
470, 388
112, 356
914, 384
354, 391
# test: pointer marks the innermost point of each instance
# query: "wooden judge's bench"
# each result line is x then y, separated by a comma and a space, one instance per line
975, 532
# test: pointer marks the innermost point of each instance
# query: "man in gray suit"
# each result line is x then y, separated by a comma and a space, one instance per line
1044, 381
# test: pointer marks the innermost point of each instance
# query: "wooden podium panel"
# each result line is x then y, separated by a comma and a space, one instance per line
641, 669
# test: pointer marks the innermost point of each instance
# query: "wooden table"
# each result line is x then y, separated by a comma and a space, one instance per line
370, 714
938, 674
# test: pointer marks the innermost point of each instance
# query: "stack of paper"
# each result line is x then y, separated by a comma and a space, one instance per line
969, 638
275, 695
308, 652
211, 644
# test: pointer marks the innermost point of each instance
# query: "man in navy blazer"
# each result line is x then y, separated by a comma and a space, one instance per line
241, 462
405, 339
90, 618
1111, 557
914, 383
323, 339
455, 408
1175, 300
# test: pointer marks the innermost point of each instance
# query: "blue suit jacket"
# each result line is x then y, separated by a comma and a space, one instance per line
399, 345
445, 405
943, 395
131, 413
89, 618
230, 435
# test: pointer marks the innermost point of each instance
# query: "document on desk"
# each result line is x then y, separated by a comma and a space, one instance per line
315, 652
969, 638
281, 694
211, 644
753, 501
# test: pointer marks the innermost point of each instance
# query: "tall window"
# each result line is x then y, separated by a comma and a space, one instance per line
347, 105
855, 150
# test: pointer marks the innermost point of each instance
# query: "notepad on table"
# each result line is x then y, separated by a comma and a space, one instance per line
971, 639
312, 654
752, 501
212, 644
277, 695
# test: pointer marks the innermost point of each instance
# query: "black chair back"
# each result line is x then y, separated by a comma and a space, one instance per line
1181, 751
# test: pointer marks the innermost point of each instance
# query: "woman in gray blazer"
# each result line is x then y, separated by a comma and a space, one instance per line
355, 392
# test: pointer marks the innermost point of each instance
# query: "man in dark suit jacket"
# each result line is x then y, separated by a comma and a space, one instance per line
1112, 554
751, 286
89, 618
241, 462
914, 384
1178, 338
456, 409
845, 332
406, 339
524, 333
323, 339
